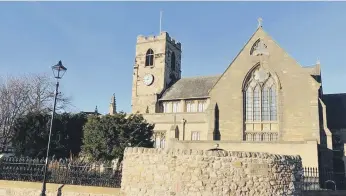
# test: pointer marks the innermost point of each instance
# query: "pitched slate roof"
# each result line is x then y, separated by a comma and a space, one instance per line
336, 110
194, 87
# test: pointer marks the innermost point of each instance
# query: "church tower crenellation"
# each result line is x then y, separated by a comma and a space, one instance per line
157, 67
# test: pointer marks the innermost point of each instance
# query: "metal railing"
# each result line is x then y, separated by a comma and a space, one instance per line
322, 179
60, 172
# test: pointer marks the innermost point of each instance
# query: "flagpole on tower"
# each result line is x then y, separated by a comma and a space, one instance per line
160, 21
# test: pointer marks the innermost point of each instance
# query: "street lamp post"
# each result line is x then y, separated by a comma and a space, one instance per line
58, 71
183, 121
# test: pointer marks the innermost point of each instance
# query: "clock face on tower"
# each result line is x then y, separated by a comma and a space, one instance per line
148, 79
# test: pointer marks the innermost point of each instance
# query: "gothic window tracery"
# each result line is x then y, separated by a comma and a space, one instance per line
260, 105
259, 48
149, 57
260, 97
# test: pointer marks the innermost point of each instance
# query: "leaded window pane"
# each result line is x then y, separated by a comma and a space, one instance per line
248, 104
257, 104
273, 109
265, 104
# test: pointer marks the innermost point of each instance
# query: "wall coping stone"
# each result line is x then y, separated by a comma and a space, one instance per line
219, 153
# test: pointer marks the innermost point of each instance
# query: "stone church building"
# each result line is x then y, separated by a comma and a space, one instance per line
264, 101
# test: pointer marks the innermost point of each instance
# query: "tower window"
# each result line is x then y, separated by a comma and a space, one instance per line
173, 61
149, 58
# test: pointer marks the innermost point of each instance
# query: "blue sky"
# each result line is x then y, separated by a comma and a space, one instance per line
96, 40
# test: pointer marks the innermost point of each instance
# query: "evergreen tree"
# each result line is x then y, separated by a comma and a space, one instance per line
31, 134
105, 138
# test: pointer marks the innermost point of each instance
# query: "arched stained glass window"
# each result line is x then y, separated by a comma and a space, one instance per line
260, 97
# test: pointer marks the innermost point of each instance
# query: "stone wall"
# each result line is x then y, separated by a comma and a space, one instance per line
18, 188
197, 172
306, 150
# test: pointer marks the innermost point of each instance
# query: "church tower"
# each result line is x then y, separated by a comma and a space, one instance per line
112, 106
157, 66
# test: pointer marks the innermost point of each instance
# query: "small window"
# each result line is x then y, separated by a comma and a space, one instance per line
173, 61
176, 107
164, 107
149, 58
177, 133
201, 106
157, 142
195, 135
163, 143
190, 106
160, 141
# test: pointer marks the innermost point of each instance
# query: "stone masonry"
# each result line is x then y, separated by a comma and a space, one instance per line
148, 171
209, 108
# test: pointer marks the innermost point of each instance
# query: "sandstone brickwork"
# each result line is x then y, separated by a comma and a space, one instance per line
209, 108
208, 173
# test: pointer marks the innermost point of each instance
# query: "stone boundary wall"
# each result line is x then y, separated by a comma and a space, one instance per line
159, 172
19, 188
307, 150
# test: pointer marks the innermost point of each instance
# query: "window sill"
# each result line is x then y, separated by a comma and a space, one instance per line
261, 122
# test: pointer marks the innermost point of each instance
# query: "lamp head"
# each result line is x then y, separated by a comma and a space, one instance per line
59, 70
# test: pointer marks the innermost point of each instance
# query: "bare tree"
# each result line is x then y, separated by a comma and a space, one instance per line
41, 95
23, 94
